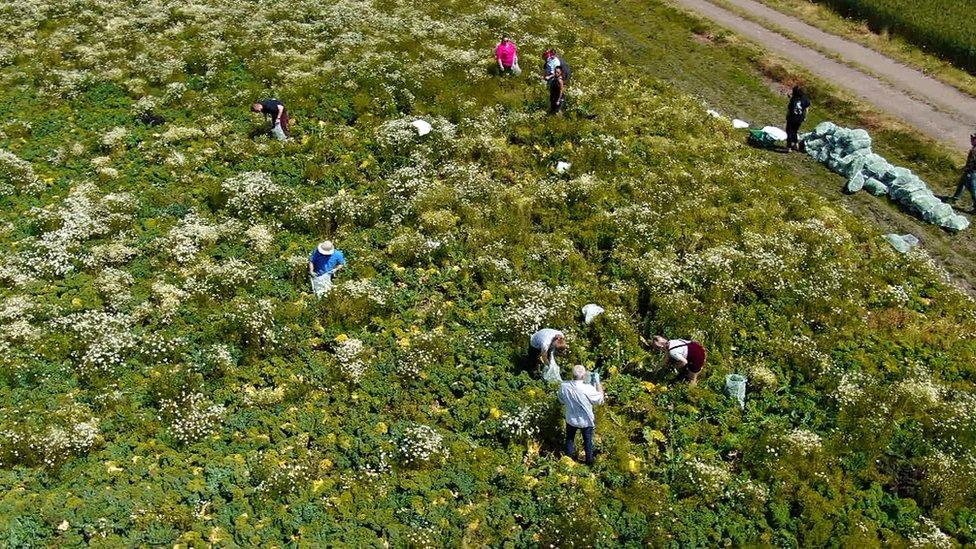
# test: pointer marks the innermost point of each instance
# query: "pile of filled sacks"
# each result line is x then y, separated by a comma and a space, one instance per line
848, 152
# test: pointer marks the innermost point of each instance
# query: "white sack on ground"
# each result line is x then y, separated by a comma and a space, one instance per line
423, 128
591, 311
776, 133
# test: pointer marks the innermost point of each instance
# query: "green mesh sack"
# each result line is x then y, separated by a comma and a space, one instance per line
735, 387
761, 139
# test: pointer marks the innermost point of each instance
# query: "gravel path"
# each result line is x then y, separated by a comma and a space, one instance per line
938, 110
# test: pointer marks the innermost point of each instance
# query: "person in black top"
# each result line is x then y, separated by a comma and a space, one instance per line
968, 180
796, 112
557, 91
275, 110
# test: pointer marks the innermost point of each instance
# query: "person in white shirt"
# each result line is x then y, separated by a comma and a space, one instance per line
579, 397
544, 345
685, 354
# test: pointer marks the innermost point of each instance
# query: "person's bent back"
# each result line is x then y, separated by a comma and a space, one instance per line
276, 112
544, 345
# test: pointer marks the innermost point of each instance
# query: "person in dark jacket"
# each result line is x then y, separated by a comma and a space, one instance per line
557, 91
968, 180
275, 110
796, 112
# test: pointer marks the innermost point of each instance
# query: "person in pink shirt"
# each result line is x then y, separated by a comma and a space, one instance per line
507, 56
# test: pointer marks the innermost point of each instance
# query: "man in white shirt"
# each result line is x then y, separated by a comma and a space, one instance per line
543, 347
579, 397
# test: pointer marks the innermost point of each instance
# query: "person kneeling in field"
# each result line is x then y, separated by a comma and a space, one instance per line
686, 354
579, 397
543, 347
324, 262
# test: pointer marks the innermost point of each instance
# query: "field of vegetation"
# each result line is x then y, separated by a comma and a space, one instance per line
167, 378
942, 27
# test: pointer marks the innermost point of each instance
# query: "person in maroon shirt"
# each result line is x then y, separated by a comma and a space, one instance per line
686, 354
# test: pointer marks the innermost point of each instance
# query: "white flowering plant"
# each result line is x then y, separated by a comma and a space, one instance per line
168, 377
419, 445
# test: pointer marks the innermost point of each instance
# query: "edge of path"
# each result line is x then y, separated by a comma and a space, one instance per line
921, 85
734, 76
894, 46
903, 101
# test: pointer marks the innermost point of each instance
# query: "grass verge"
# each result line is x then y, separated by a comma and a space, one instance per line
737, 77
891, 45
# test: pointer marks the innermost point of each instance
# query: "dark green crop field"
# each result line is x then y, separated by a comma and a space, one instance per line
943, 27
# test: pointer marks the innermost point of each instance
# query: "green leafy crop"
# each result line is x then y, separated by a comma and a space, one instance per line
167, 377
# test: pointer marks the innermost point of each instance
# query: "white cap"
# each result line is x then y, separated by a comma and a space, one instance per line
326, 248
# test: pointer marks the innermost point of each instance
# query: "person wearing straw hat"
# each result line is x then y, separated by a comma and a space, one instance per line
323, 264
689, 355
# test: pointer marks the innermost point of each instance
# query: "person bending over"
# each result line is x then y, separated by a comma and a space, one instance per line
684, 354
275, 111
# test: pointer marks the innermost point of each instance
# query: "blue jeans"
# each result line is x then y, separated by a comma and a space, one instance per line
968, 182
587, 442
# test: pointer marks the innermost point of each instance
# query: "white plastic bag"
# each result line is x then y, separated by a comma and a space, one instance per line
740, 124
423, 128
591, 311
551, 373
279, 133
563, 167
321, 284
516, 69
775, 133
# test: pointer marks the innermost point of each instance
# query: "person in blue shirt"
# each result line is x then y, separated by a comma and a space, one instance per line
323, 264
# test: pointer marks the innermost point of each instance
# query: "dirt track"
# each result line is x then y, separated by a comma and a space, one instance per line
936, 109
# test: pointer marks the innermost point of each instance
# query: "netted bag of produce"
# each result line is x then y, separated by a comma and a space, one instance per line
903, 243
875, 187
735, 387
855, 183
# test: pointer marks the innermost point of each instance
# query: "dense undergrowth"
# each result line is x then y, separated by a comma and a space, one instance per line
168, 378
